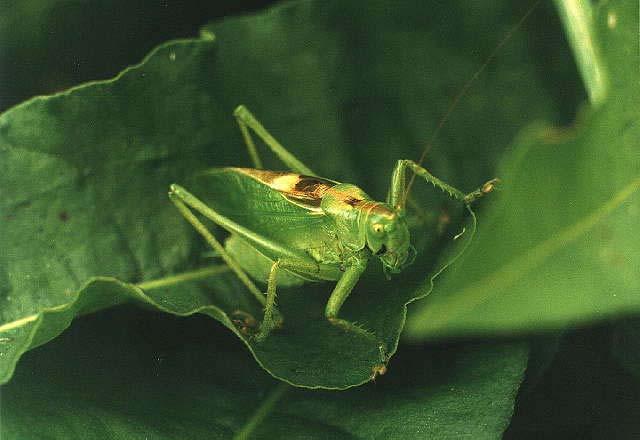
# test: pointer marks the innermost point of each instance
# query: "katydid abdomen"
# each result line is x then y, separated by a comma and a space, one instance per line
270, 225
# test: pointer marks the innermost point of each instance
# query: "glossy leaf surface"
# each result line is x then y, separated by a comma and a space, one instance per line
350, 91
559, 246
129, 374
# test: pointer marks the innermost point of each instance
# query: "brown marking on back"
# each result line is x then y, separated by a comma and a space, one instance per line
306, 191
310, 188
264, 176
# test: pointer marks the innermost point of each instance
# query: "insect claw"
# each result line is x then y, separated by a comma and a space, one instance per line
490, 186
482, 191
378, 370
244, 321
381, 368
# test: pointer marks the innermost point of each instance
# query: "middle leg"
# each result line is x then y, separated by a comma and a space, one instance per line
272, 318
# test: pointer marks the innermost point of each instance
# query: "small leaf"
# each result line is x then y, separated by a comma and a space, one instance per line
132, 374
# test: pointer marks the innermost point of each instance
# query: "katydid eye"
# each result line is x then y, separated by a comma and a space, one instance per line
378, 228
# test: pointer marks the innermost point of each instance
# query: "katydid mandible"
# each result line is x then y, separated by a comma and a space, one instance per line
288, 228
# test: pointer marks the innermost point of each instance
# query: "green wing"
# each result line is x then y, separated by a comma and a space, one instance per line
251, 200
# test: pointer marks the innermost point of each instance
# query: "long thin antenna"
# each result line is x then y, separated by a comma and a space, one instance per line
465, 89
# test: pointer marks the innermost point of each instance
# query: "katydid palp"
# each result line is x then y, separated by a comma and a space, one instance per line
288, 228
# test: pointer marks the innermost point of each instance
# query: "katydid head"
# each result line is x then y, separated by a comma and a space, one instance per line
387, 236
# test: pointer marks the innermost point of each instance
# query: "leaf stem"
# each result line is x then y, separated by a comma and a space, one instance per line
578, 19
262, 411
183, 277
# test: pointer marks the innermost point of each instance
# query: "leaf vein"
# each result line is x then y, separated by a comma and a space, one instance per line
470, 297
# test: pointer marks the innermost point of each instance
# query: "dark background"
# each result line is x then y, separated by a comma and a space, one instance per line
50, 45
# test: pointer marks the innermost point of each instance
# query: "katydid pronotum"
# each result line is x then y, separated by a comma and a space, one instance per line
294, 227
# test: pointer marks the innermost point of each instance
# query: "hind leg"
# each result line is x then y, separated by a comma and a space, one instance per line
247, 122
184, 201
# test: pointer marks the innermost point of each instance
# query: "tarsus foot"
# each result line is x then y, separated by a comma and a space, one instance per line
482, 191
355, 328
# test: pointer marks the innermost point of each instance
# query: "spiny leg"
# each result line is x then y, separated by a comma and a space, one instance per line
341, 291
397, 194
248, 140
183, 200
247, 121
268, 322
272, 317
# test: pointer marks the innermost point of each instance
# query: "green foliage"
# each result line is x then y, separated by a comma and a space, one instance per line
51, 45
101, 156
86, 225
559, 246
125, 374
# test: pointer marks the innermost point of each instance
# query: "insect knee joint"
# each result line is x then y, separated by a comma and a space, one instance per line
176, 191
241, 112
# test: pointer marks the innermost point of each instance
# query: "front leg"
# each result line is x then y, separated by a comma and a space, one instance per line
345, 285
397, 195
185, 201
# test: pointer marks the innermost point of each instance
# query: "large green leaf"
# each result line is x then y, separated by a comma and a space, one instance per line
559, 246
348, 89
130, 374
50, 45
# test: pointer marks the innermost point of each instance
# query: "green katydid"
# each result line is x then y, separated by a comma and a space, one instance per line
288, 228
